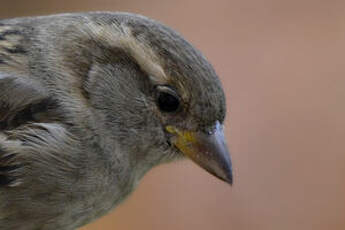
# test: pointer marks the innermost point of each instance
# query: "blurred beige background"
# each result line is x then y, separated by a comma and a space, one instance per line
282, 63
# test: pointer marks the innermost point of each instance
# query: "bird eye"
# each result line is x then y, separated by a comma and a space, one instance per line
167, 99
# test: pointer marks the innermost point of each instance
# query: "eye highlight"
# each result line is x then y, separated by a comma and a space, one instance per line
167, 99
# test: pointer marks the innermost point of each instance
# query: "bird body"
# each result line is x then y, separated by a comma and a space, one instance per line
88, 104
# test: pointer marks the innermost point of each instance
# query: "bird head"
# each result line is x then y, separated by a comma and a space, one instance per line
155, 95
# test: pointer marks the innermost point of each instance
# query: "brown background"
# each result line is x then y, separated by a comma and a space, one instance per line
282, 64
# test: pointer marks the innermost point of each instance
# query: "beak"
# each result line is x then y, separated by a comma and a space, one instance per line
208, 150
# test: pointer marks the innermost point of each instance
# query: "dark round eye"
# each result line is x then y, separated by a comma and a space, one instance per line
167, 99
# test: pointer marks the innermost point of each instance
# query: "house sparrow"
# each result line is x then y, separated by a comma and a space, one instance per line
89, 102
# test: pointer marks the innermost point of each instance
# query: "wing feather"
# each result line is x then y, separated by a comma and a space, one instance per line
28, 115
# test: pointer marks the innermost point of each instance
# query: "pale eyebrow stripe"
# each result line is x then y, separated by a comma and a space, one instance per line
121, 37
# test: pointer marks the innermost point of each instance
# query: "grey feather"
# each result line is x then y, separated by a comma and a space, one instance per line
79, 123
